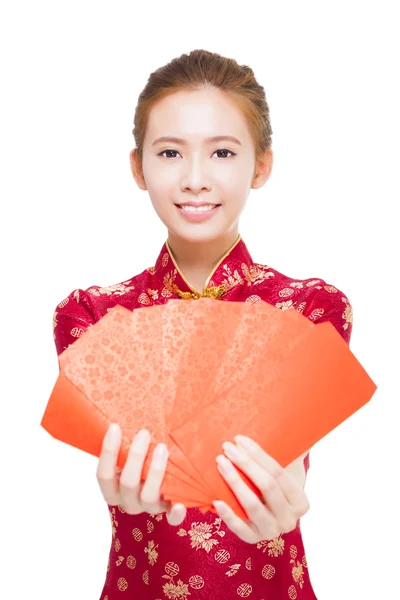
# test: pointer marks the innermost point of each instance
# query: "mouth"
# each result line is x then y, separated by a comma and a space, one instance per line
215, 206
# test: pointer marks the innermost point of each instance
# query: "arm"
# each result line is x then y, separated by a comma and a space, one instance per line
71, 318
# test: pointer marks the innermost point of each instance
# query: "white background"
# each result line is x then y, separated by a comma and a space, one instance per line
72, 217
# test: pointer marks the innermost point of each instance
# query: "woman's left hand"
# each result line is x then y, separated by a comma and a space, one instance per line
285, 500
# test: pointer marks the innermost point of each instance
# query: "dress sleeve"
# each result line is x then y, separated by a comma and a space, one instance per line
336, 308
71, 318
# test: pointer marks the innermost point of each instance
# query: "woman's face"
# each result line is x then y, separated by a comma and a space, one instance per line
194, 168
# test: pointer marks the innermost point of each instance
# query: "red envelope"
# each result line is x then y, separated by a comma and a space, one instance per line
195, 374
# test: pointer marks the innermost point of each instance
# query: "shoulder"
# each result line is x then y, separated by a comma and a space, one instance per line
81, 308
314, 297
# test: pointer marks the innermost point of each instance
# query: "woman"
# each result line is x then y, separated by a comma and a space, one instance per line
203, 138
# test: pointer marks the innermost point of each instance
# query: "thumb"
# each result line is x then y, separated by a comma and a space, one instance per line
176, 515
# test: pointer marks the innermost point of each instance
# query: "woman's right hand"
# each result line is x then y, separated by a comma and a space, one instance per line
125, 488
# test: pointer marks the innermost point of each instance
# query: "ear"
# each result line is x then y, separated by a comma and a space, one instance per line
262, 169
136, 169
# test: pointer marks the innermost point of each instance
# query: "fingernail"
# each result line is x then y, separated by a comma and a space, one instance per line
231, 450
224, 464
112, 434
160, 453
220, 507
243, 441
141, 438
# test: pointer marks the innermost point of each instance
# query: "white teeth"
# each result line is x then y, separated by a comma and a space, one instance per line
193, 209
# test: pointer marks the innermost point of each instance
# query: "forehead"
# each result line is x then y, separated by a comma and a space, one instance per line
195, 115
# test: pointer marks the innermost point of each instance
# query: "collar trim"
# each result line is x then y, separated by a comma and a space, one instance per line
214, 291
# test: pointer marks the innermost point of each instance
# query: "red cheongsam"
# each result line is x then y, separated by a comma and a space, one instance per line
201, 558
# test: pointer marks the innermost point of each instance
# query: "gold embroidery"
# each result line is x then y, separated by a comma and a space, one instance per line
66, 300
215, 292
147, 298
253, 299
301, 307
196, 582
117, 545
268, 571
207, 283
179, 590
233, 569
131, 562
201, 534
181, 532
284, 305
347, 314
118, 289
222, 556
232, 280
156, 516
114, 522
244, 590
297, 569
150, 526
313, 282
122, 584
174, 590
165, 259
316, 314
151, 552
297, 572
275, 546
256, 273
137, 534
77, 332
292, 593
169, 284
285, 293
119, 561
171, 570
146, 577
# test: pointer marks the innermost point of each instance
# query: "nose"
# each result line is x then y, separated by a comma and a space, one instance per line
195, 176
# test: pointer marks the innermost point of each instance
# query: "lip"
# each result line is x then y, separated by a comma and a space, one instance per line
197, 205
202, 216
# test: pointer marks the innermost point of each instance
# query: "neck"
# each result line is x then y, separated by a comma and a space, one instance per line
195, 259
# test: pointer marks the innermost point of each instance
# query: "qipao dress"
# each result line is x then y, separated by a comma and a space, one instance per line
202, 559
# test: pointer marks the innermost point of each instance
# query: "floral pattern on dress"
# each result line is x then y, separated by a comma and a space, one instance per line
202, 558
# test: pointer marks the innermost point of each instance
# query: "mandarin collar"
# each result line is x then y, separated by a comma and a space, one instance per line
219, 281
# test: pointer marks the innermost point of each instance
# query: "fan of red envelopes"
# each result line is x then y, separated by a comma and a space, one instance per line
195, 374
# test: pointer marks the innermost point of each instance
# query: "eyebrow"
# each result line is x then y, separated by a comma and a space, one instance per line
216, 138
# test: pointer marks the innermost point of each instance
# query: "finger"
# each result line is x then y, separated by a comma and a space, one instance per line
130, 480
257, 513
176, 514
270, 489
107, 474
242, 529
150, 495
293, 492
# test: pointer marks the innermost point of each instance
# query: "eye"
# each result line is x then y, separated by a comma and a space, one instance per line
162, 153
226, 150
220, 150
